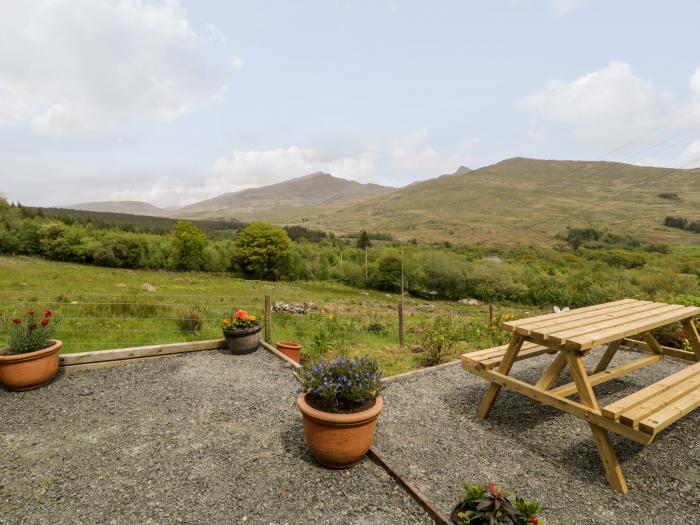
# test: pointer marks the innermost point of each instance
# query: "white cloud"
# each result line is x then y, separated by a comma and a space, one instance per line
394, 162
609, 105
72, 66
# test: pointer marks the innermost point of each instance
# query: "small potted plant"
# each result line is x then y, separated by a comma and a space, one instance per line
489, 504
340, 405
31, 357
242, 332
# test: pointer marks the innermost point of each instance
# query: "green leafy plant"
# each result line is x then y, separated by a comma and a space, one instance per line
30, 333
343, 384
489, 504
376, 328
438, 338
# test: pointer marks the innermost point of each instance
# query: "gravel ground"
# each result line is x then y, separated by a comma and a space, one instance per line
429, 433
204, 437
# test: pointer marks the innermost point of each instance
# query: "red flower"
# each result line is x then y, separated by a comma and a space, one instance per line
16, 321
47, 313
32, 327
44, 322
491, 487
534, 521
241, 314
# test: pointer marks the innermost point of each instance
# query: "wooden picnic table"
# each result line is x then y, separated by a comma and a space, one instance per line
569, 336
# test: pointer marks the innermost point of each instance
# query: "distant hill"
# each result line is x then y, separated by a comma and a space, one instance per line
288, 201
528, 201
130, 207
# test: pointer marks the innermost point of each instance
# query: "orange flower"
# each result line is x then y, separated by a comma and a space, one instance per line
330, 317
241, 314
252, 318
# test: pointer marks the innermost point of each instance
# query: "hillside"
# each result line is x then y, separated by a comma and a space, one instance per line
287, 201
529, 201
130, 207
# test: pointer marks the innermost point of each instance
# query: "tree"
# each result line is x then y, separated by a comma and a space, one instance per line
363, 240
189, 243
264, 251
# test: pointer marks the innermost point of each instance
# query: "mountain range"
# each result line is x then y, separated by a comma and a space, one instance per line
517, 200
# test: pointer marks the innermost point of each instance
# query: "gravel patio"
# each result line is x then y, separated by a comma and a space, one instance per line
210, 438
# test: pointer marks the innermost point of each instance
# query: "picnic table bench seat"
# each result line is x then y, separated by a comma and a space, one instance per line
492, 357
659, 405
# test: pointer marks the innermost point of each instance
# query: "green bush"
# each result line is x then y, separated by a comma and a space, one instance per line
438, 338
263, 251
189, 244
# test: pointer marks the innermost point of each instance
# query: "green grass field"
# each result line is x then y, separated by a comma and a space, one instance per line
105, 308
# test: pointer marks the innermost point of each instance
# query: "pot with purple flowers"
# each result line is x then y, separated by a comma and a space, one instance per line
340, 406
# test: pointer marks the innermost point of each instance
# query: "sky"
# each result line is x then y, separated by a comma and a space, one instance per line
171, 102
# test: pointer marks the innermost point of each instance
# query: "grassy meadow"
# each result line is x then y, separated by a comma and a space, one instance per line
103, 308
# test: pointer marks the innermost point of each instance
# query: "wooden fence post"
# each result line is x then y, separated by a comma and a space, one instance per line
492, 317
401, 324
268, 319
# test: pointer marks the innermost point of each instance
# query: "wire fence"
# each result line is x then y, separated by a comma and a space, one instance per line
88, 321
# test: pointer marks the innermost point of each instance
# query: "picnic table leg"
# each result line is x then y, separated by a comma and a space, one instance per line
607, 356
504, 368
556, 367
691, 333
613, 470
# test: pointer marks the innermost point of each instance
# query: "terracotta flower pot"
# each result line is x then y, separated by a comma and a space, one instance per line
244, 341
31, 370
291, 350
339, 440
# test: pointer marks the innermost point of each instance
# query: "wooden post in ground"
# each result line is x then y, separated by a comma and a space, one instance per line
401, 324
268, 319
365, 262
492, 317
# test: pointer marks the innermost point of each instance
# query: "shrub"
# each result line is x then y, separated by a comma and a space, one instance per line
29, 334
191, 320
491, 504
343, 384
438, 338
189, 243
376, 328
263, 251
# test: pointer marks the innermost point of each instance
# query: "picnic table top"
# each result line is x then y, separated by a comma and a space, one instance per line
583, 328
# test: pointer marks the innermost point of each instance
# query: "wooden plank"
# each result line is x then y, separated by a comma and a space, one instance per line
588, 318
438, 517
523, 354
70, 369
634, 415
633, 344
477, 355
651, 341
589, 340
504, 368
613, 410
581, 383
609, 374
691, 333
658, 310
672, 413
512, 325
561, 403
554, 370
610, 352
613, 470
139, 351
